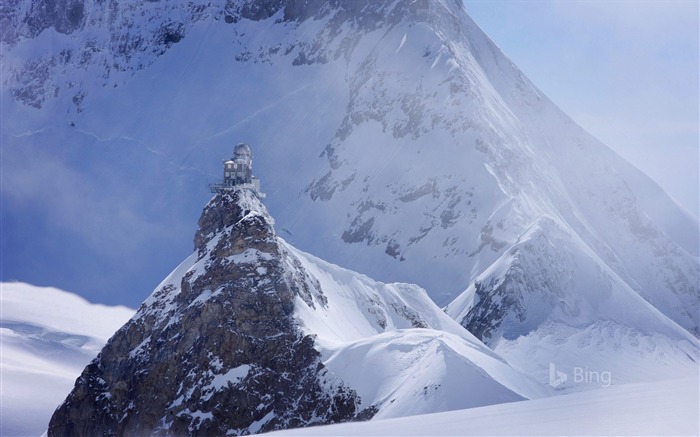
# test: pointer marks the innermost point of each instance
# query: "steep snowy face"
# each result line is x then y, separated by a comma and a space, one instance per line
548, 301
394, 137
116, 39
399, 351
215, 350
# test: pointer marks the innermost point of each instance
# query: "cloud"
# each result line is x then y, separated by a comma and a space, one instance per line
39, 180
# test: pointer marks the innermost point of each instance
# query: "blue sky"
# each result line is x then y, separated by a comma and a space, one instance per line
627, 71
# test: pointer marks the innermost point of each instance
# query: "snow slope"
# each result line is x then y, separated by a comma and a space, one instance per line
48, 336
393, 138
550, 301
398, 350
653, 408
389, 343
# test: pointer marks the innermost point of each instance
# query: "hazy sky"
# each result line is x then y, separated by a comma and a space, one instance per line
627, 71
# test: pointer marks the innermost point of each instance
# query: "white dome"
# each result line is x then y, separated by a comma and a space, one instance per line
242, 150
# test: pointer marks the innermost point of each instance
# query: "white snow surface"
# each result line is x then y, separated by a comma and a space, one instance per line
389, 342
574, 312
398, 350
47, 337
666, 408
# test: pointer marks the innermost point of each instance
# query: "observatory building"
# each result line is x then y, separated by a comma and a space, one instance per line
238, 172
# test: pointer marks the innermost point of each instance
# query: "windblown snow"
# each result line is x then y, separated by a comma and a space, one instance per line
48, 337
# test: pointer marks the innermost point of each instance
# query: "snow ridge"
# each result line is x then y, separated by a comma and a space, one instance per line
215, 349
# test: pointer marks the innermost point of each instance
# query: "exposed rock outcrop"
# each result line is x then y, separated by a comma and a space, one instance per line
215, 350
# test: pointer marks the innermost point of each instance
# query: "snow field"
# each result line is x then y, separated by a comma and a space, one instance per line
47, 337
667, 408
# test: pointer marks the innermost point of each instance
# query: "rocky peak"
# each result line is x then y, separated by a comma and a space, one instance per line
215, 350
235, 212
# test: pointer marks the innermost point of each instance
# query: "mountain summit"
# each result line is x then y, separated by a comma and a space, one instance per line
249, 335
397, 140
215, 349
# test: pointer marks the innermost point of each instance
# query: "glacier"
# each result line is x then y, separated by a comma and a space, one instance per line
653, 408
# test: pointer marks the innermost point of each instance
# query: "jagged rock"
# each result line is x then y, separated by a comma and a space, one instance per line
63, 15
215, 350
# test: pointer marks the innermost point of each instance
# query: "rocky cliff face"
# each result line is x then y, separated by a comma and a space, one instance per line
215, 350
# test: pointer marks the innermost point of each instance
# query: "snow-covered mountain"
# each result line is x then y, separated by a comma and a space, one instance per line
547, 303
47, 338
393, 138
249, 335
398, 350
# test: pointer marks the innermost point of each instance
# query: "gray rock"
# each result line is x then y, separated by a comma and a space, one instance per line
218, 353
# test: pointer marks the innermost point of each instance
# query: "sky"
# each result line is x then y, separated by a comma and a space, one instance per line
626, 71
